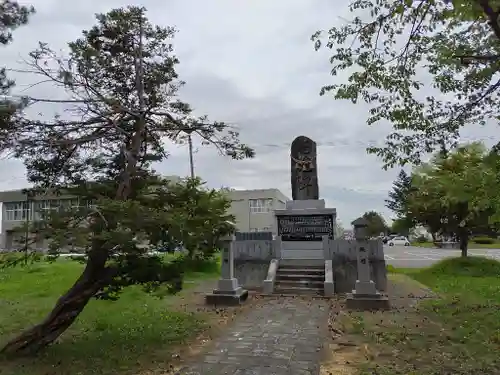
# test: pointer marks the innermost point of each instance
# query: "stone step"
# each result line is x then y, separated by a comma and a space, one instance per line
307, 276
298, 291
302, 270
308, 283
303, 265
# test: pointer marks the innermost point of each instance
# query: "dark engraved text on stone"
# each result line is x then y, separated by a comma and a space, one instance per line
305, 227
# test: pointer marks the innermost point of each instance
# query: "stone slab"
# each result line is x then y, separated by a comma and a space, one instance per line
226, 299
227, 284
367, 303
236, 291
315, 211
305, 204
365, 287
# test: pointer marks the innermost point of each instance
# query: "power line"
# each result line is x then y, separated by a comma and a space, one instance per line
366, 143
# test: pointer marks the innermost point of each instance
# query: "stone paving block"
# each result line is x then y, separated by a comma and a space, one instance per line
284, 336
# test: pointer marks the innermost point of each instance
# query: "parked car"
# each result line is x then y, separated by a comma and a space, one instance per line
399, 241
388, 238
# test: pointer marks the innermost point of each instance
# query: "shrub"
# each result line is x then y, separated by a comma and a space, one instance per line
484, 240
390, 268
421, 239
200, 264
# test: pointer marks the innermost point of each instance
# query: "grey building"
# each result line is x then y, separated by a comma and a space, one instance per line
253, 210
18, 210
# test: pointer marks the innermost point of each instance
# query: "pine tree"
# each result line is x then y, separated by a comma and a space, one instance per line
121, 82
12, 15
399, 194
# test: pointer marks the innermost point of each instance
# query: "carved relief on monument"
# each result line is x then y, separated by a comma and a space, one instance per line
304, 169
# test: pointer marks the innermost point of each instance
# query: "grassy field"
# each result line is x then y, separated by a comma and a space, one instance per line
137, 332
472, 245
457, 331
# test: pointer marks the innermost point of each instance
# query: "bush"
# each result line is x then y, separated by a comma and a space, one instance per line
466, 266
390, 268
484, 240
421, 239
200, 264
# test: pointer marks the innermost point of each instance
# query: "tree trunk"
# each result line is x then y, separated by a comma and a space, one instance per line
62, 316
463, 237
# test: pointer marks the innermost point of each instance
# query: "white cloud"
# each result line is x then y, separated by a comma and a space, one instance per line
250, 63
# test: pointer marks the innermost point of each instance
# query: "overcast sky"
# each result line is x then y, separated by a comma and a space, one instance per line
250, 63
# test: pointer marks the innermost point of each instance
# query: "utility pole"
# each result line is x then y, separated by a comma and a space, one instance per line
189, 130
190, 146
27, 223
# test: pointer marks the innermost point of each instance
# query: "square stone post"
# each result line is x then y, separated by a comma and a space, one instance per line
277, 244
326, 248
365, 295
364, 283
228, 291
227, 267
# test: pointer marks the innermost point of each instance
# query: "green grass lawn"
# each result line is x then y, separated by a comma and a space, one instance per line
136, 332
469, 311
457, 331
472, 245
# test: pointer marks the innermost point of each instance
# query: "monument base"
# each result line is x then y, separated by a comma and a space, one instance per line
307, 204
365, 288
367, 302
228, 293
222, 298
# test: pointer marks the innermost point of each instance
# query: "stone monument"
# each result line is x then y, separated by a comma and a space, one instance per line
305, 219
304, 169
365, 295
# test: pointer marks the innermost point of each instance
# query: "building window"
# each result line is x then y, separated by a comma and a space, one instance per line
17, 211
260, 205
20, 211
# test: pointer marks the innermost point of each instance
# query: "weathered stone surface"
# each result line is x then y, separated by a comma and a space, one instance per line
283, 336
345, 274
254, 250
251, 275
367, 302
304, 169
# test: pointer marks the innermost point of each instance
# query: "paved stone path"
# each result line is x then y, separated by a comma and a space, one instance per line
282, 336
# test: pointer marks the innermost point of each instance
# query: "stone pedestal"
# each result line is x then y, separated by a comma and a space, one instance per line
365, 295
302, 225
356, 301
228, 292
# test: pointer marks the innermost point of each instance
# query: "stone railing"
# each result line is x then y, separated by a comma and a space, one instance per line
344, 256
252, 260
254, 251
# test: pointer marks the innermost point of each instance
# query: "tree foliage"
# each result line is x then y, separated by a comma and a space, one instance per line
376, 223
401, 226
398, 196
12, 15
122, 104
398, 203
459, 189
427, 67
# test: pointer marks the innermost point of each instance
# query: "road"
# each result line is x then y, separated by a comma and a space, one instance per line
417, 257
